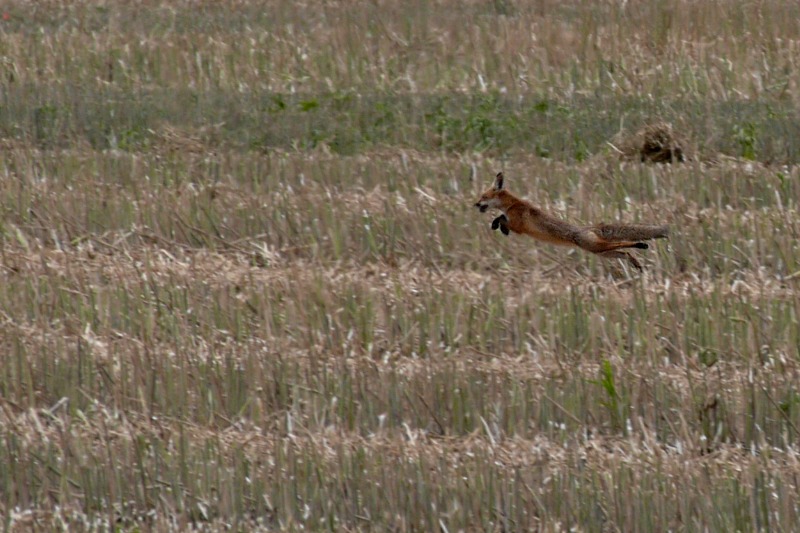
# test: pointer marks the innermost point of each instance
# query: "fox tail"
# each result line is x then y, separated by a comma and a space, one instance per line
631, 232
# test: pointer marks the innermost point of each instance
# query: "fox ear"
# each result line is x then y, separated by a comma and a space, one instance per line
498, 181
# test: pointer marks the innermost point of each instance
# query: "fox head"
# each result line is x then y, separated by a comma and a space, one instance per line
492, 197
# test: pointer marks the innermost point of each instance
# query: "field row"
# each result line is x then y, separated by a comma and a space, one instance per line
444, 76
159, 472
676, 48
572, 128
147, 332
397, 208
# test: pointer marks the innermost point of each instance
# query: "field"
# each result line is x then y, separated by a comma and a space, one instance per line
244, 285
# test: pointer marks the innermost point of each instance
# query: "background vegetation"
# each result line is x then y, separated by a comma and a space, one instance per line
243, 285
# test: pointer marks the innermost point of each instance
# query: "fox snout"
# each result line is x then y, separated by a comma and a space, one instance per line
482, 207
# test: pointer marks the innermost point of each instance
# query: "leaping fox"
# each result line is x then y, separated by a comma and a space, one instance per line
605, 240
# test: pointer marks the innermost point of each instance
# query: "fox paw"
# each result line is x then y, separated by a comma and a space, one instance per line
501, 223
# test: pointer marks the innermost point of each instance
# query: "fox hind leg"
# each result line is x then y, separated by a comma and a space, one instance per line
619, 254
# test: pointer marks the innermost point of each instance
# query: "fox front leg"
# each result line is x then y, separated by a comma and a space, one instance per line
502, 223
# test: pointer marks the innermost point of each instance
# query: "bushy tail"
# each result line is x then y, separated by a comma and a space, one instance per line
631, 232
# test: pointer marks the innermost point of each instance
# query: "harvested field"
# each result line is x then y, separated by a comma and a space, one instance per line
244, 286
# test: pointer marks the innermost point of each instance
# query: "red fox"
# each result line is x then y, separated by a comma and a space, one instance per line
605, 240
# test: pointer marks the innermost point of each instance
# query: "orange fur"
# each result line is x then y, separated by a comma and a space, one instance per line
606, 240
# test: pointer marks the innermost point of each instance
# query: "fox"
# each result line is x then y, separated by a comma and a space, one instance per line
609, 241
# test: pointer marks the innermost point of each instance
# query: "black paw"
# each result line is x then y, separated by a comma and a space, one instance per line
499, 222
504, 229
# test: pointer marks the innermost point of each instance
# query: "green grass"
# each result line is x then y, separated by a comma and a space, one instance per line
347, 123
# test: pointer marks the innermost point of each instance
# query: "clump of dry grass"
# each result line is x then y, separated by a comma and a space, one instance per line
657, 142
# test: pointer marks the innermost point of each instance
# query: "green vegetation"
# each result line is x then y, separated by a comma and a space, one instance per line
244, 286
